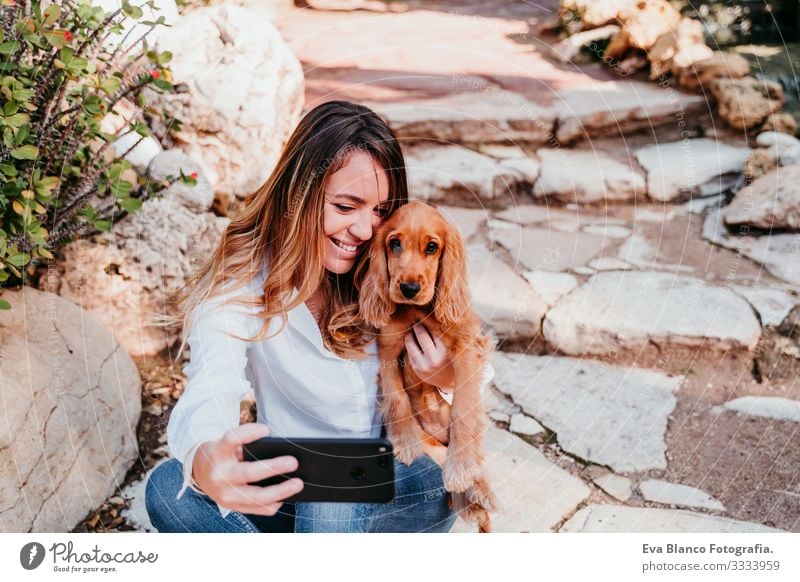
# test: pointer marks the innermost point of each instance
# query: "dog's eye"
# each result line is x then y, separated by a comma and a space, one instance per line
431, 248
394, 246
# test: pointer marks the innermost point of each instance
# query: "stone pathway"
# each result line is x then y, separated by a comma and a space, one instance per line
632, 392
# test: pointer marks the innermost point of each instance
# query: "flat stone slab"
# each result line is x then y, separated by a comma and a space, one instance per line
525, 425
586, 177
773, 407
471, 117
677, 171
660, 491
624, 310
605, 414
620, 106
773, 305
617, 486
551, 286
776, 252
621, 519
534, 494
458, 175
468, 220
638, 251
544, 249
609, 264
502, 298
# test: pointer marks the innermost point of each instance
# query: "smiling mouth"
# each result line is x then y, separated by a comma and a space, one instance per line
344, 247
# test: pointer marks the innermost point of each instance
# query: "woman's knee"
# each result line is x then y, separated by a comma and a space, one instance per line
192, 512
161, 490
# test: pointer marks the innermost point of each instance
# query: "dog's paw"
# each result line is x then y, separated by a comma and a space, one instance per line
459, 472
407, 447
480, 494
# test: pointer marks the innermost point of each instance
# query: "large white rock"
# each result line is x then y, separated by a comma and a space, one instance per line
534, 494
72, 401
455, 174
605, 414
245, 94
679, 170
586, 177
660, 491
621, 519
770, 201
619, 310
470, 117
502, 298
133, 273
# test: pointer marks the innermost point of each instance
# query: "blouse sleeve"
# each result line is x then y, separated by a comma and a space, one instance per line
209, 405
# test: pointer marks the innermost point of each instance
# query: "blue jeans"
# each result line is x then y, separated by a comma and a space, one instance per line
420, 505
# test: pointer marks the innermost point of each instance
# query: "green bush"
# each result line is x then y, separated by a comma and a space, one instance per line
59, 77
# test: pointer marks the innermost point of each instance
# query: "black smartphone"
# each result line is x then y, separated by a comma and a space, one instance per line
332, 469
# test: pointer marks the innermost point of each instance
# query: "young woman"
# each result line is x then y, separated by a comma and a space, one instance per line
276, 310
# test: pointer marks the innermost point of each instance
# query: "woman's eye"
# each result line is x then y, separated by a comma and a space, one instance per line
343, 207
382, 212
431, 248
394, 246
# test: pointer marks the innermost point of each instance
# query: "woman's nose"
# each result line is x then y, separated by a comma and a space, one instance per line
362, 227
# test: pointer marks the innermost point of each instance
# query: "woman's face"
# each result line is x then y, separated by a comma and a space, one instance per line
356, 202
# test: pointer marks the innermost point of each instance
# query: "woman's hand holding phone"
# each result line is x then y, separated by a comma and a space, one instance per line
223, 475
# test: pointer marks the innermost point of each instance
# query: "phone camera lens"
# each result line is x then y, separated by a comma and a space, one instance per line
358, 473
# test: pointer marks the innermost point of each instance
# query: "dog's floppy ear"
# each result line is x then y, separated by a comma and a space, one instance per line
374, 305
452, 298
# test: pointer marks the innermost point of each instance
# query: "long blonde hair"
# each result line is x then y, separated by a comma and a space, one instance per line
281, 223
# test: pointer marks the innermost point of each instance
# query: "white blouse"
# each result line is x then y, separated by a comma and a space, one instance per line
301, 388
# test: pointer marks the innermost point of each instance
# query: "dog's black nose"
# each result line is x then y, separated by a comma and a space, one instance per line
409, 290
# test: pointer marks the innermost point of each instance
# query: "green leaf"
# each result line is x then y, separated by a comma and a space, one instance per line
111, 85
130, 204
102, 225
9, 47
19, 260
121, 188
17, 120
56, 38
162, 84
51, 14
8, 170
132, 11
27, 152
22, 134
164, 57
4, 304
141, 128
22, 94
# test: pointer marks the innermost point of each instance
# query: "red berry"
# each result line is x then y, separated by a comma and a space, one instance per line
194, 175
68, 35
155, 74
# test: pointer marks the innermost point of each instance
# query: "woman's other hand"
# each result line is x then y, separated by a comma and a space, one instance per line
220, 471
428, 357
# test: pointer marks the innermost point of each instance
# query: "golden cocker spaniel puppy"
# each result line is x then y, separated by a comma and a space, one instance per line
417, 273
